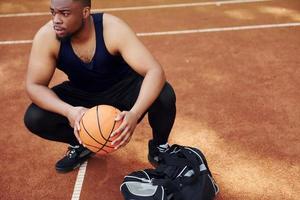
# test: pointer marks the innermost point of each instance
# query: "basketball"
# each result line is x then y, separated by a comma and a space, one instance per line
96, 127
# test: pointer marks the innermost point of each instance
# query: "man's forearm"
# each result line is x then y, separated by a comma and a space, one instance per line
151, 87
47, 99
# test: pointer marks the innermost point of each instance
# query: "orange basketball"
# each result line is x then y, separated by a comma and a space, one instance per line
96, 127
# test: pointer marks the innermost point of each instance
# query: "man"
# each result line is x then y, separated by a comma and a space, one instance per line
106, 64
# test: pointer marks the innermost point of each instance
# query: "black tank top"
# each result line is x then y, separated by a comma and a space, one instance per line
102, 72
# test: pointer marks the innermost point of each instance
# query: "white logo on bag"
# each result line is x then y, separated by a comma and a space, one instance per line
141, 189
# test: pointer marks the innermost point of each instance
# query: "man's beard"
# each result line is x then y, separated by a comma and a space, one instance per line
70, 35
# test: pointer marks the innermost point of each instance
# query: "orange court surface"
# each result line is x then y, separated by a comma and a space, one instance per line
235, 68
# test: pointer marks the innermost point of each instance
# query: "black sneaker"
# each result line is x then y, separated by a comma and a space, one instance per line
156, 152
75, 156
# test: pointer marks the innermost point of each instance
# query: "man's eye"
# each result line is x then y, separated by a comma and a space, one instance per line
52, 12
66, 14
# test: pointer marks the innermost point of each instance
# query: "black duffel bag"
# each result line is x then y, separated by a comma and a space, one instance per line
182, 175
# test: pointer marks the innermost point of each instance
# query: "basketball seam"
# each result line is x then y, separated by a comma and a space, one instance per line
99, 127
98, 123
98, 149
105, 144
112, 130
90, 134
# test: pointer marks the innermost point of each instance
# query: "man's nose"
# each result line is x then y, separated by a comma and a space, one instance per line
57, 19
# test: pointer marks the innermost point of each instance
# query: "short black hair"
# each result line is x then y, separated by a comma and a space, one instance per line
84, 2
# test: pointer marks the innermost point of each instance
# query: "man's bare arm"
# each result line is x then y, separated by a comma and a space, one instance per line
41, 68
121, 39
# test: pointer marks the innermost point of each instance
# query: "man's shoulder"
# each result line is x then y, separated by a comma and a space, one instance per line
46, 34
113, 25
110, 18
45, 39
111, 21
116, 32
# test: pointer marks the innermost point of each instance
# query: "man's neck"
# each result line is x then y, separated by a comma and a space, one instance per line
85, 33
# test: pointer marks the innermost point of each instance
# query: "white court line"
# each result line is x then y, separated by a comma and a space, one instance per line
234, 28
11, 42
216, 3
79, 182
237, 28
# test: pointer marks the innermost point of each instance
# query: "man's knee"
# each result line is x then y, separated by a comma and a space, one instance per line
33, 118
167, 97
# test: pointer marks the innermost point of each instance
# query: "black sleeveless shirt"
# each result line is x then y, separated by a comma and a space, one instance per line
102, 72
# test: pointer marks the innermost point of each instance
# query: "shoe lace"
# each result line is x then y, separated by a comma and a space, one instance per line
72, 151
163, 148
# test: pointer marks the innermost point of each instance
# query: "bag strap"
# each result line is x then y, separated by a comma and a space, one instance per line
166, 174
183, 149
171, 186
176, 158
188, 159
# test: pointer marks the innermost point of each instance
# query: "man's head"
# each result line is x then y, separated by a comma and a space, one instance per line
85, 3
69, 16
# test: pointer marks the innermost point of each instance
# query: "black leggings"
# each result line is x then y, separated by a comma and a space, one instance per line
52, 126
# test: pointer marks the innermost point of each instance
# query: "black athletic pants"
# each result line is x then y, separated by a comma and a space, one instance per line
52, 126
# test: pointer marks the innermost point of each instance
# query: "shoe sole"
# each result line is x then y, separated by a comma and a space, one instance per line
66, 170
69, 169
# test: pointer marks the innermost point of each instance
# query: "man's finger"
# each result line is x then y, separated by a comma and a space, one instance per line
120, 129
77, 136
120, 116
122, 135
123, 142
126, 140
76, 125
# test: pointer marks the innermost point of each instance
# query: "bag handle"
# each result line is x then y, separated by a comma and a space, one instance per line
185, 150
171, 164
190, 160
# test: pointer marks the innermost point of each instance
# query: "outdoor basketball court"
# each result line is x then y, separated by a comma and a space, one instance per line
234, 65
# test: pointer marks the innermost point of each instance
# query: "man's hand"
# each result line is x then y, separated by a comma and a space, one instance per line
74, 116
126, 129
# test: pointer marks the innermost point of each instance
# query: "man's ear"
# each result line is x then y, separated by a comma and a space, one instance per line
86, 12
